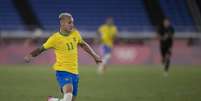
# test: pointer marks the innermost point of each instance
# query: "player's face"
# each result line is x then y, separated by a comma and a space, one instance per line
166, 23
66, 23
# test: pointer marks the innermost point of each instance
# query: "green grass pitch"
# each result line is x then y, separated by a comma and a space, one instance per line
120, 83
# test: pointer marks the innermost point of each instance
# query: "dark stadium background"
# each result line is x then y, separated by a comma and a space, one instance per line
135, 71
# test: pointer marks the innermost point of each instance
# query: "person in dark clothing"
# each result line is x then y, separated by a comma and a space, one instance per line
166, 34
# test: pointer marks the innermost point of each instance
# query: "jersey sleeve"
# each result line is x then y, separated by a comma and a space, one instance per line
50, 43
79, 37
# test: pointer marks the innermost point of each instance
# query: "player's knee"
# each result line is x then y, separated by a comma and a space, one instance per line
68, 88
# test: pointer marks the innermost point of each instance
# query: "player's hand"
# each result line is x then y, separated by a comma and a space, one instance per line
28, 58
97, 59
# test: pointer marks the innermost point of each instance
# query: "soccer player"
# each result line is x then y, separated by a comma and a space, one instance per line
107, 34
166, 34
65, 44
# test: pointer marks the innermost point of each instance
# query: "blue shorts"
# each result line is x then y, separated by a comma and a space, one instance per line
106, 49
64, 78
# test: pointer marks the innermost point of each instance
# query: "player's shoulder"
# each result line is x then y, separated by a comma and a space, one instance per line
101, 27
76, 31
54, 35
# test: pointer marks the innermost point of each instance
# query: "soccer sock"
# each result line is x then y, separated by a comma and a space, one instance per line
53, 99
67, 97
167, 65
100, 68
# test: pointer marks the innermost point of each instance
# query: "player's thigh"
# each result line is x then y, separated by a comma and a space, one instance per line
64, 80
106, 49
75, 83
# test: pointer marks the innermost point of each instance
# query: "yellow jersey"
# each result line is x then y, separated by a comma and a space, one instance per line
66, 50
108, 33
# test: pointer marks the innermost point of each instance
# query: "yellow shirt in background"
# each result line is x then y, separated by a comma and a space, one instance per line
108, 34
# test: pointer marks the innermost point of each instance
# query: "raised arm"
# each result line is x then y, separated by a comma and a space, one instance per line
90, 51
34, 53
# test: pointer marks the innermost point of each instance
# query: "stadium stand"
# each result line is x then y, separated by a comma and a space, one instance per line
178, 12
89, 14
130, 16
9, 18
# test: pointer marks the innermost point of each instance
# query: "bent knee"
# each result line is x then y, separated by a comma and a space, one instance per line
68, 88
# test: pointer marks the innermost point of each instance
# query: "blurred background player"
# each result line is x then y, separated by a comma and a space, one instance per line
107, 34
65, 44
166, 34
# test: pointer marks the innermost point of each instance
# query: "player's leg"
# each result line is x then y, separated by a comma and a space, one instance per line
65, 81
70, 91
168, 56
75, 86
101, 65
67, 91
167, 62
106, 57
162, 52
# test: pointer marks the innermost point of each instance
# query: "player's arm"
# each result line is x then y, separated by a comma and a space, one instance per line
90, 51
50, 43
34, 53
